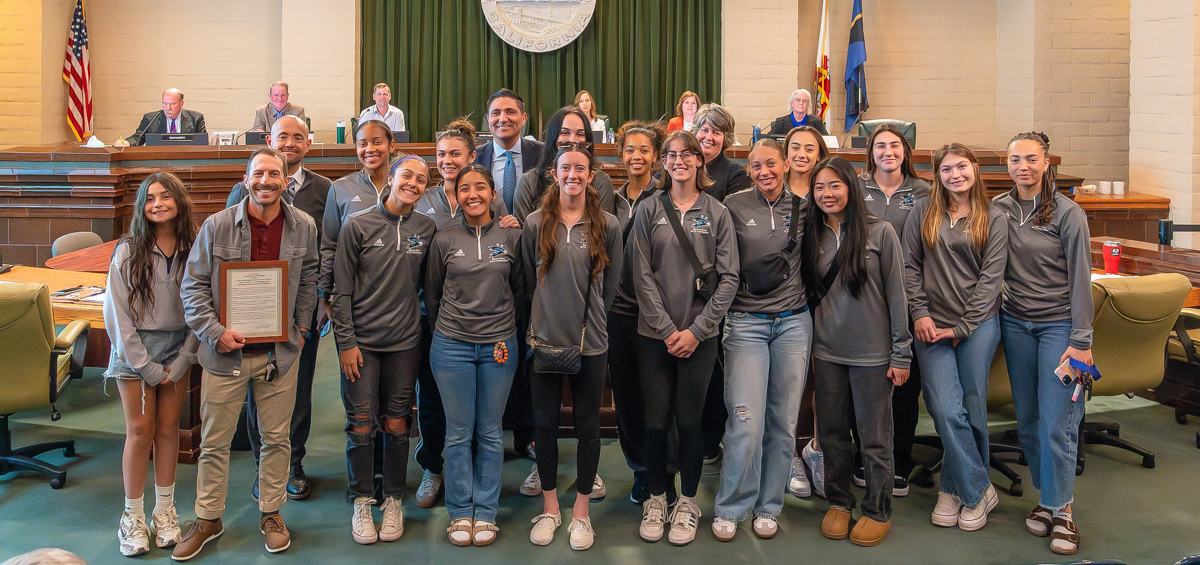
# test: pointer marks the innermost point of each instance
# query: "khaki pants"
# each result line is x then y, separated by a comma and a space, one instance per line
221, 399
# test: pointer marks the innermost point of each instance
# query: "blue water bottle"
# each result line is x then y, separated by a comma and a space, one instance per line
754, 134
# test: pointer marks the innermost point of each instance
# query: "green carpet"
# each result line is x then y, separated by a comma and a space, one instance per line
1141, 516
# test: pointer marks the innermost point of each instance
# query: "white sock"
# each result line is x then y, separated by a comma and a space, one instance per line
1062, 514
136, 507
164, 497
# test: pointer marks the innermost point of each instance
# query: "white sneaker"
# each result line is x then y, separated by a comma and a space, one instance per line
945, 512
165, 524
581, 533
598, 491
765, 528
533, 483
654, 515
362, 524
427, 492
972, 518
133, 535
724, 530
392, 526
683, 521
543, 528
798, 482
815, 462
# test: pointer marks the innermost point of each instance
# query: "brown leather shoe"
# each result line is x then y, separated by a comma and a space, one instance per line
868, 532
196, 535
836, 524
277, 536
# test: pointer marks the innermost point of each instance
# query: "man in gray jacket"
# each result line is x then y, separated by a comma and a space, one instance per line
261, 228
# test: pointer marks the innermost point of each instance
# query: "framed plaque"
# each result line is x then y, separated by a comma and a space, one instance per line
254, 299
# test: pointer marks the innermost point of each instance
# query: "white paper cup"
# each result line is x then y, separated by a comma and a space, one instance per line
1118, 187
1105, 187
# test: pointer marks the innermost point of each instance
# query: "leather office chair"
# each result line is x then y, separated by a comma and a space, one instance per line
74, 242
37, 366
1181, 381
909, 129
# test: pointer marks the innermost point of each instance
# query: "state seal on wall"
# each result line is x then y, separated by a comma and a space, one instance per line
538, 26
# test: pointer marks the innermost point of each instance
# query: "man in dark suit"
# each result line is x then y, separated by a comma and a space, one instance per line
508, 156
171, 119
307, 191
800, 103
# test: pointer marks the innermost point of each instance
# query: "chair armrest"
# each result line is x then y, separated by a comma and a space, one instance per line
67, 338
1189, 318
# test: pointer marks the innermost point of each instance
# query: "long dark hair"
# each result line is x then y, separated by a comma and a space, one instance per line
906, 167
1046, 203
548, 244
550, 148
139, 268
850, 253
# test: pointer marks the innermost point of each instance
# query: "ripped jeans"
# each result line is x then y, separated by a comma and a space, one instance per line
766, 362
382, 392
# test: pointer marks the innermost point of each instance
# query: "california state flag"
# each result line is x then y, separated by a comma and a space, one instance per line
821, 104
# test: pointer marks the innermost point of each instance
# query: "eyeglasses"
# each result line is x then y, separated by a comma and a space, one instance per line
676, 155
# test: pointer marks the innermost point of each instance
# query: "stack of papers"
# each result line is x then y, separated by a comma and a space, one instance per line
75, 295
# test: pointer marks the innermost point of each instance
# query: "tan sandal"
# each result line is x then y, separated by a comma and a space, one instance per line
1037, 522
461, 525
484, 528
1064, 537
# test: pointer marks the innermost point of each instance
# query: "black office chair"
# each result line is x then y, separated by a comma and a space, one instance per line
909, 129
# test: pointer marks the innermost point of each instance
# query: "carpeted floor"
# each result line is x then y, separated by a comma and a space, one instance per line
1126, 512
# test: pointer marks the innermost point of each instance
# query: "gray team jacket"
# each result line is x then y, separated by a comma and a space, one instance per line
625, 303
527, 198
377, 272
224, 237
762, 229
894, 209
474, 283
1049, 272
664, 280
558, 303
955, 284
146, 346
352, 193
436, 205
872, 329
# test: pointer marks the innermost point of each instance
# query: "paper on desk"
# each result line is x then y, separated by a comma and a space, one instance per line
94, 142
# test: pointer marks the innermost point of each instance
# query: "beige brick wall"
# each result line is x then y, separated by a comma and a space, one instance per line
33, 41
761, 65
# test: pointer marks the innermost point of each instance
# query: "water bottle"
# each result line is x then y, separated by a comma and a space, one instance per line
341, 131
611, 137
754, 134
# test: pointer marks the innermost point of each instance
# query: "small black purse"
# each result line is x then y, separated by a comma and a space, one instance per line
768, 272
567, 359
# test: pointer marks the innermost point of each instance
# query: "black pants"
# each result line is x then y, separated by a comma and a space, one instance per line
383, 391
843, 391
302, 413
586, 387
906, 410
674, 386
626, 389
712, 426
431, 416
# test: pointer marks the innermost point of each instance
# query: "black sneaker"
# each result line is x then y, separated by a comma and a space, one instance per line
900, 486
860, 477
714, 457
298, 485
640, 492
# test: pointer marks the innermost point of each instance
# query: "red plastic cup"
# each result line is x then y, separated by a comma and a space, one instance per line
1112, 257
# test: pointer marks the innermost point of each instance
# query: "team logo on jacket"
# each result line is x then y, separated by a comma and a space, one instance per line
413, 244
751, 222
907, 201
701, 224
356, 199
867, 197
378, 243
458, 253
787, 222
498, 253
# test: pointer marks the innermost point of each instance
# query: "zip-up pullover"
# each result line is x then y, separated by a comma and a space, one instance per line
663, 279
872, 329
474, 283
352, 193
894, 208
953, 283
1049, 272
762, 229
132, 341
626, 301
557, 298
436, 205
377, 272
529, 199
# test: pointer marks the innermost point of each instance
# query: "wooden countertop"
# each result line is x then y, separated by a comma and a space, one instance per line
58, 280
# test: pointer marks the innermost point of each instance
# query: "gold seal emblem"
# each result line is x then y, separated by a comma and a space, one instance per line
538, 26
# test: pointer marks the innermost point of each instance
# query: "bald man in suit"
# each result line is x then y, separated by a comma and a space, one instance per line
171, 119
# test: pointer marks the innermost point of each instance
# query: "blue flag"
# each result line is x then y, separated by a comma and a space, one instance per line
856, 69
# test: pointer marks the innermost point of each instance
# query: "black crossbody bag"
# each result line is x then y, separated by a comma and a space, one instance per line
768, 272
567, 359
826, 283
706, 279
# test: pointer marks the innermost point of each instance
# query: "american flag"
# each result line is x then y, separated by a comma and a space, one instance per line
77, 71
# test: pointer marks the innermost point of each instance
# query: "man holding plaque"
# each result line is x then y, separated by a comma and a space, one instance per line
248, 292
305, 191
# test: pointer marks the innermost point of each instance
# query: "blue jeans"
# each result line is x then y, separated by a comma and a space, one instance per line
955, 381
1047, 419
474, 390
766, 362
